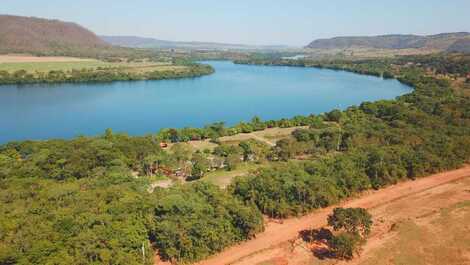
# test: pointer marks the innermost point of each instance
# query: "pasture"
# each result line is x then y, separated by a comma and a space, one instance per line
33, 64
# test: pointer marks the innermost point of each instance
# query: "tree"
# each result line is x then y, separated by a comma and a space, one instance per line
254, 150
353, 220
285, 149
225, 150
108, 134
200, 166
334, 115
258, 124
181, 152
232, 161
344, 245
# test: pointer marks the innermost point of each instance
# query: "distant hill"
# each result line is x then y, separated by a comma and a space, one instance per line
48, 37
460, 46
140, 42
438, 42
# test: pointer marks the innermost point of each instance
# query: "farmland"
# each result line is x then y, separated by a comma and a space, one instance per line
30, 69
32, 64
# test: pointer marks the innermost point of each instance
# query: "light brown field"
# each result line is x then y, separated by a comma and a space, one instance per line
197, 145
33, 64
417, 210
269, 136
223, 178
12, 58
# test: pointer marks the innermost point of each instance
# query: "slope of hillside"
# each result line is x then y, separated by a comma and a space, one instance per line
460, 46
439, 42
134, 42
43, 36
140, 42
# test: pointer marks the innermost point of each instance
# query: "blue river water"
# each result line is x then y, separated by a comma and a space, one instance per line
232, 94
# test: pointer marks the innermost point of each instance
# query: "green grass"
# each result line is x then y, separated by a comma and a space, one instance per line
158, 178
223, 178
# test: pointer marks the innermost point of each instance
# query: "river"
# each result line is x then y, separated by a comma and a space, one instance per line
232, 94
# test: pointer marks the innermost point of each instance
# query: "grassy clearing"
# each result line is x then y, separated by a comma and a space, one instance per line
158, 178
223, 178
197, 145
52, 66
19, 58
46, 64
270, 136
68, 66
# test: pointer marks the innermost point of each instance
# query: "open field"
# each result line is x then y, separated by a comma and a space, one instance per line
198, 145
52, 66
407, 207
12, 63
269, 136
13, 58
441, 236
223, 178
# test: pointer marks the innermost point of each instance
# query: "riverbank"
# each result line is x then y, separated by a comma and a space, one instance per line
234, 94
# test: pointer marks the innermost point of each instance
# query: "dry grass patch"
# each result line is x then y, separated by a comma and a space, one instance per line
442, 238
32, 64
223, 178
12, 58
52, 66
269, 136
198, 145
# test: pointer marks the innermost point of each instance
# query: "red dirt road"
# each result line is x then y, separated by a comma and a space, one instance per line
276, 234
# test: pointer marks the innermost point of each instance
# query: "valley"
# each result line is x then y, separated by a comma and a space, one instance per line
298, 133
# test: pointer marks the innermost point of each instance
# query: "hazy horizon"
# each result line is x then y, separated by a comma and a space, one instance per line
261, 23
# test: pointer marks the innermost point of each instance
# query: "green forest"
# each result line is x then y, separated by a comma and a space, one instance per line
86, 200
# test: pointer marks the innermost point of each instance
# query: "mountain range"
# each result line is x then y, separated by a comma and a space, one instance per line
53, 37
457, 42
141, 42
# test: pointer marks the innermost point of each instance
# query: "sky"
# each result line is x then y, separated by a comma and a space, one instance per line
260, 22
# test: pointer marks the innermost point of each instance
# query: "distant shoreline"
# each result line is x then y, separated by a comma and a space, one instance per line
20, 70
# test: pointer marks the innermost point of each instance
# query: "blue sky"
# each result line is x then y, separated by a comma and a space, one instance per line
294, 22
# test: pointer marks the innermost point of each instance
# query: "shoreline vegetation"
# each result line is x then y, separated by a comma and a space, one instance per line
81, 72
85, 200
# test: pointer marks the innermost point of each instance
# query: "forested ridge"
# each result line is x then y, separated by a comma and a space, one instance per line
86, 200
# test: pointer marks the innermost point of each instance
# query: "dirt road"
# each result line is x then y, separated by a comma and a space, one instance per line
276, 234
